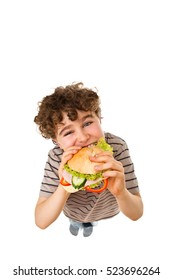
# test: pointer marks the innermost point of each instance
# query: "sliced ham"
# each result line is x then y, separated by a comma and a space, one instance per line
68, 177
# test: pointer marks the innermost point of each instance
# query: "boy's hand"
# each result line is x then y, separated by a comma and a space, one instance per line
67, 155
111, 169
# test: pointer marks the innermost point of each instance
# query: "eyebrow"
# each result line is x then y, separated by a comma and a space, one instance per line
69, 126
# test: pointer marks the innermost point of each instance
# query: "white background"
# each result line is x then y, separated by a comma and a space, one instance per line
124, 48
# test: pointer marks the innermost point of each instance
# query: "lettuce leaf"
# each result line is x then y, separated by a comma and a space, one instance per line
91, 177
103, 145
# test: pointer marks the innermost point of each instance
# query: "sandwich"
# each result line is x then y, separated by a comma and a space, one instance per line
79, 172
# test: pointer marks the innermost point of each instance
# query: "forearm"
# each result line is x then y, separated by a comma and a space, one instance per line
130, 205
48, 210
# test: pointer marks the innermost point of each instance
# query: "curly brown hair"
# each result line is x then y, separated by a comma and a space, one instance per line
67, 99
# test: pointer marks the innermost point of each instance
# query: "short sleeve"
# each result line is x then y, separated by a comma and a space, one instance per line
122, 154
51, 179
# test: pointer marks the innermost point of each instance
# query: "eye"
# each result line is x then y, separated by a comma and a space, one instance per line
87, 123
67, 133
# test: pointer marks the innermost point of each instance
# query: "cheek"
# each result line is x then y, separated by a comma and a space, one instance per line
65, 142
97, 131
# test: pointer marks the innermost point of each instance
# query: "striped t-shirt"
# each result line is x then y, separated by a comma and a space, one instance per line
85, 206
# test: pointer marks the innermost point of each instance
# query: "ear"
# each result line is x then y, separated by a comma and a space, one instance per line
55, 142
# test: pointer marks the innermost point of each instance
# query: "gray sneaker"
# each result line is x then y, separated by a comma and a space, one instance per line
74, 229
87, 229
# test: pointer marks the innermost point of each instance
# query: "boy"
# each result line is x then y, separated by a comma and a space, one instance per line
71, 117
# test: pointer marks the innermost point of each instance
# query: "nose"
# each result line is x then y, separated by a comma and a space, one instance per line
82, 137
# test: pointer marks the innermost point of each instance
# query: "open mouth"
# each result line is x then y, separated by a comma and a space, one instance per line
90, 145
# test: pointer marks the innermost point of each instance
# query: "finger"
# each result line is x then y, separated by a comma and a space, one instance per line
71, 151
75, 148
111, 165
101, 154
100, 158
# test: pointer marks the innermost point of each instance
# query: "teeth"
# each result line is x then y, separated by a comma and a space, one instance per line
90, 145
93, 144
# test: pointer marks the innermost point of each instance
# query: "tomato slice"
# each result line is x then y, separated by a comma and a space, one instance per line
64, 182
87, 188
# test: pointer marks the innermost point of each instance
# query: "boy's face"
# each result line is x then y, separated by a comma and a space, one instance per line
81, 132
